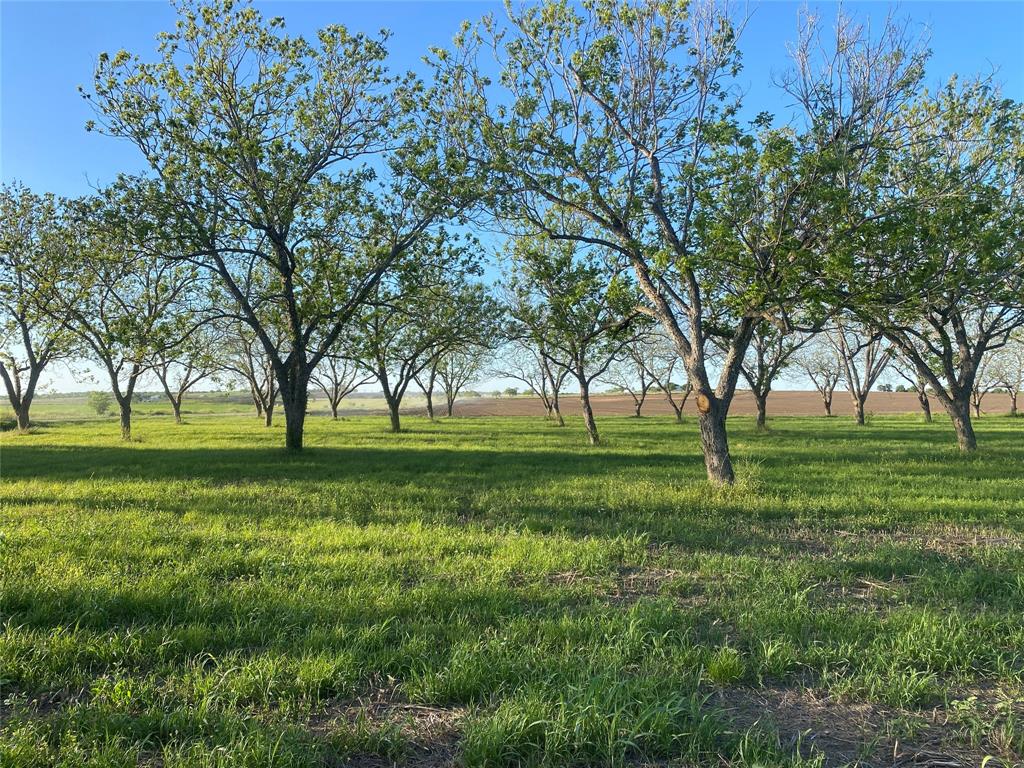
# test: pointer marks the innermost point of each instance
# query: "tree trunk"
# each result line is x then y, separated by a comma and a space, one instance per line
294, 403
827, 400
858, 409
926, 407
450, 403
976, 404
22, 414
762, 411
714, 440
556, 409
176, 407
334, 409
430, 404
637, 405
1013, 403
258, 403
588, 413
396, 422
126, 419
268, 413
960, 413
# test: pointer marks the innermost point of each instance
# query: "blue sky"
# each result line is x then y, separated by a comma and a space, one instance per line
48, 49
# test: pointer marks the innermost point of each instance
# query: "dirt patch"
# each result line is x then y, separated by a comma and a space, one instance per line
779, 404
854, 733
429, 734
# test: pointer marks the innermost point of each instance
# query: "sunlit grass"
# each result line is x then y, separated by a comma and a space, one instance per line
496, 592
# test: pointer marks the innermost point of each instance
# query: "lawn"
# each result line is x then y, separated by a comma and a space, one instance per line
496, 592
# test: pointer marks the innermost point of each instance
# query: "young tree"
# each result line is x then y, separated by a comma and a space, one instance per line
771, 352
573, 304
457, 369
180, 368
244, 356
122, 304
524, 360
620, 113
820, 363
630, 372
1007, 368
863, 356
908, 372
34, 247
338, 377
303, 161
427, 305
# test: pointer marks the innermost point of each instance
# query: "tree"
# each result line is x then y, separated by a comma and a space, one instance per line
771, 352
863, 356
337, 377
245, 357
621, 113
575, 305
821, 365
942, 279
121, 303
296, 172
524, 360
983, 384
180, 368
34, 246
457, 369
100, 402
427, 305
630, 372
1007, 368
907, 371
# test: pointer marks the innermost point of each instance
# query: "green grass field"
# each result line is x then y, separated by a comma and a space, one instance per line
495, 592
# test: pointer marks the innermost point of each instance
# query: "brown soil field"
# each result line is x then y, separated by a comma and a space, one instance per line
779, 404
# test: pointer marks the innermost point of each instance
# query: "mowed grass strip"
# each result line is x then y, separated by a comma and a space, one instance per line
495, 592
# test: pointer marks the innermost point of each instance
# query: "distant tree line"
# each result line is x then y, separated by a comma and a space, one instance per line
312, 221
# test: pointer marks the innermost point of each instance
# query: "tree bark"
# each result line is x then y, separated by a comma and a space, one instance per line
176, 407
294, 417
334, 409
258, 402
960, 413
21, 412
588, 413
926, 407
714, 440
396, 421
430, 404
1013, 403
450, 403
268, 415
858, 409
827, 400
762, 411
556, 409
125, 405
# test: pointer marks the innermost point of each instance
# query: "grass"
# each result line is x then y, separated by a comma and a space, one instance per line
494, 592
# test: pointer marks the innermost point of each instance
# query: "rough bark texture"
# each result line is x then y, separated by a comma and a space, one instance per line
828, 405
960, 413
588, 413
125, 406
294, 403
176, 407
396, 421
22, 415
268, 415
762, 411
430, 404
858, 410
714, 440
926, 407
